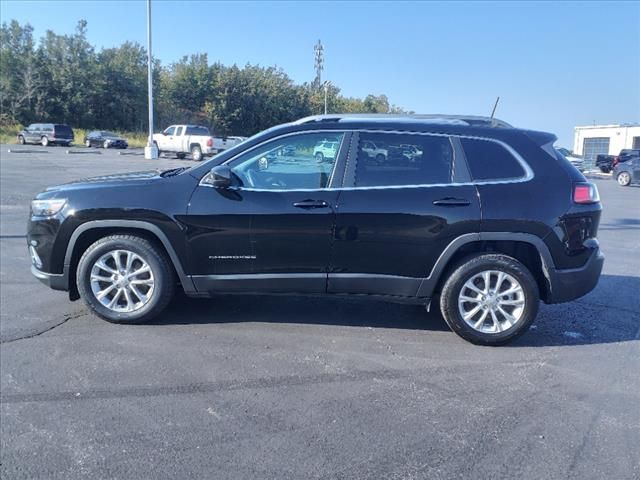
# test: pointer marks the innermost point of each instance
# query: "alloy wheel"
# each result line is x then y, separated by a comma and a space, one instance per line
624, 179
491, 301
122, 281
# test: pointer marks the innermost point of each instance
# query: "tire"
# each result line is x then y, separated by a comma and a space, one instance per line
523, 307
87, 143
105, 144
21, 140
181, 155
161, 279
158, 149
624, 179
196, 153
44, 141
380, 158
319, 157
605, 169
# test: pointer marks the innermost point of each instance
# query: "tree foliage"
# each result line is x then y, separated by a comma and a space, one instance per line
64, 79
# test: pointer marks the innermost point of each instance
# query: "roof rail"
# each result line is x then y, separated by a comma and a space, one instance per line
469, 120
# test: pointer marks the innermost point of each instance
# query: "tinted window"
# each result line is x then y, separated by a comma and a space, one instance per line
295, 162
170, 131
490, 161
63, 130
204, 131
386, 159
47, 128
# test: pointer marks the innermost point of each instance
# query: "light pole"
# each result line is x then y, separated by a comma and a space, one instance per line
150, 151
326, 85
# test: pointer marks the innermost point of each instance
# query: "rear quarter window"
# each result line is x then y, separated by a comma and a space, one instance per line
489, 160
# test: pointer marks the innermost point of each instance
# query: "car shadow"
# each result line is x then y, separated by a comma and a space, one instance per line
593, 319
621, 224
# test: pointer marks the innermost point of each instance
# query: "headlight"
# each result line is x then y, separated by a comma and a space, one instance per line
47, 208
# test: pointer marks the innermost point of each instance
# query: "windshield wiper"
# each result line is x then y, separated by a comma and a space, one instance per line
173, 171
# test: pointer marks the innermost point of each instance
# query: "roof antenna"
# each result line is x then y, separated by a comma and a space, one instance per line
495, 105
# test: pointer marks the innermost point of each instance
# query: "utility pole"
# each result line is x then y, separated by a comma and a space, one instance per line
326, 86
319, 63
150, 151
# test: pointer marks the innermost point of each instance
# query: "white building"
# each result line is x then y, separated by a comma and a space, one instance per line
592, 140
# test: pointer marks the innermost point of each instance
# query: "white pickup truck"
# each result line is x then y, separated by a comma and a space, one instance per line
183, 139
222, 143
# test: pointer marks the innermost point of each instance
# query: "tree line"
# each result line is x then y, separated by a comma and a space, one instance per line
63, 78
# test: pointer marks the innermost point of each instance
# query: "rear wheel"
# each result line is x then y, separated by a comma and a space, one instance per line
87, 143
624, 179
180, 155
105, 144
605, 169
196, 153
490, 299
21, 140
380, 158
319, 157
44, 141
125, 279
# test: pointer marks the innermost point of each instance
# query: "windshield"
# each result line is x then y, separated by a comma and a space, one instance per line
108, 134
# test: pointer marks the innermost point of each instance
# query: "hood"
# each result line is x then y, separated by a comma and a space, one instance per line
124, 179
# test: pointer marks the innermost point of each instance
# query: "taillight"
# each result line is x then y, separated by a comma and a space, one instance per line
585, 193
210, 142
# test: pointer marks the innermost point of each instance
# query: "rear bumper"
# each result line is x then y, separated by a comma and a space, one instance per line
52, 280
569, 284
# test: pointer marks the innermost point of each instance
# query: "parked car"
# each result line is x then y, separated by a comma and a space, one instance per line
575, 160
606, 163
627, 172
486, 223
375, 152
222, 143
184, 139
46, 134
325, 150
105, 139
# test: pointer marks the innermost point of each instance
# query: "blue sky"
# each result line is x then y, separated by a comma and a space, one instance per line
553, 64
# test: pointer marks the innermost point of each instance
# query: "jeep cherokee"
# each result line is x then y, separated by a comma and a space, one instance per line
486, 220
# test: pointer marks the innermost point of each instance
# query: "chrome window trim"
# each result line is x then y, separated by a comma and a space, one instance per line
529, 175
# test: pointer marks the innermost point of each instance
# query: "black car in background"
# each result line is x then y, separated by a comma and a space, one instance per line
104, 139
485, 221
607, 163
46, 134
627, 172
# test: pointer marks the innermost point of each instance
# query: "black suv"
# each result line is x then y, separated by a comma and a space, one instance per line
46, 134
482, 216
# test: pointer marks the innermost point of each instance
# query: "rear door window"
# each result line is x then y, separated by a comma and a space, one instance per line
489, 160
389, 159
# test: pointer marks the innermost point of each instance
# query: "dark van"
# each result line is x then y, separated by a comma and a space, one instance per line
46, 134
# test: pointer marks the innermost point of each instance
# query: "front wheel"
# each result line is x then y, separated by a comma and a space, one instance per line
490, 299
380, 159
196, 153
21, 140
87, 143
624, 179
125, 279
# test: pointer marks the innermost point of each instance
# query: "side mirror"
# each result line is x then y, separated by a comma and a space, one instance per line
220, 176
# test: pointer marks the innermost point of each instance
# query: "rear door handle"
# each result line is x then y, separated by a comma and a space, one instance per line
452, 202
309, 204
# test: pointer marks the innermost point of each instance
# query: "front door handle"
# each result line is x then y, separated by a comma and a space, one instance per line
309, 204
452, 202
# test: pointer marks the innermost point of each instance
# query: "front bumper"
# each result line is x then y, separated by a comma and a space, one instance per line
569, 284
56, 281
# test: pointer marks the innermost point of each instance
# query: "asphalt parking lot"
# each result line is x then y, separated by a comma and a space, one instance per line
277, 387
